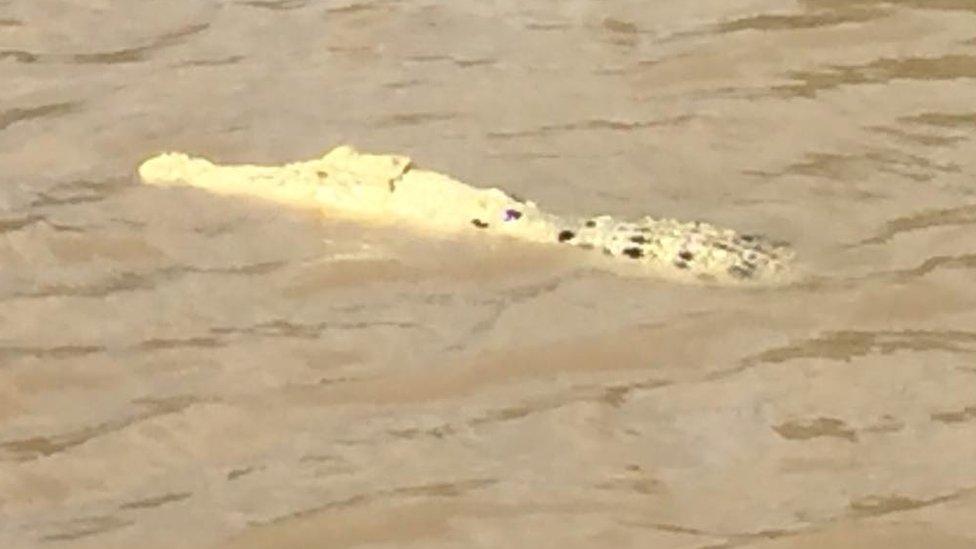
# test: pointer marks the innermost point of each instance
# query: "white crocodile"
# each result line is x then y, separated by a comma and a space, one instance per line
387, 188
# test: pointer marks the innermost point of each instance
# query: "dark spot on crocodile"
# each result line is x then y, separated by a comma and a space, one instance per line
686, 255
680, 264
634, 253
739, 272
748, 238
566, 235
607, 251
586, 246
479, 223
644, 229
638, 239
511, 215
590, 223
723, 246
322, 173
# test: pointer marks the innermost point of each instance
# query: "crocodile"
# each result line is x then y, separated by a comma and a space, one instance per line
391, 189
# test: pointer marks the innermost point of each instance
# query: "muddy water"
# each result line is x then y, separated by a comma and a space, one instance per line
178, 369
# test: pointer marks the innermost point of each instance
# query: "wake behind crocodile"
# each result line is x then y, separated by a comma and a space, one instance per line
388, 188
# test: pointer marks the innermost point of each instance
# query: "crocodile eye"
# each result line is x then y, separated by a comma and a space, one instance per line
512, 215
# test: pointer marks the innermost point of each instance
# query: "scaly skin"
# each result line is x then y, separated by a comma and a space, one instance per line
385, 188
702, 250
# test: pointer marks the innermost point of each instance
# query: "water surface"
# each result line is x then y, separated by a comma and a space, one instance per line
175, 365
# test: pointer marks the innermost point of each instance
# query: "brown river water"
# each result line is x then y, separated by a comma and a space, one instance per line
179, 369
